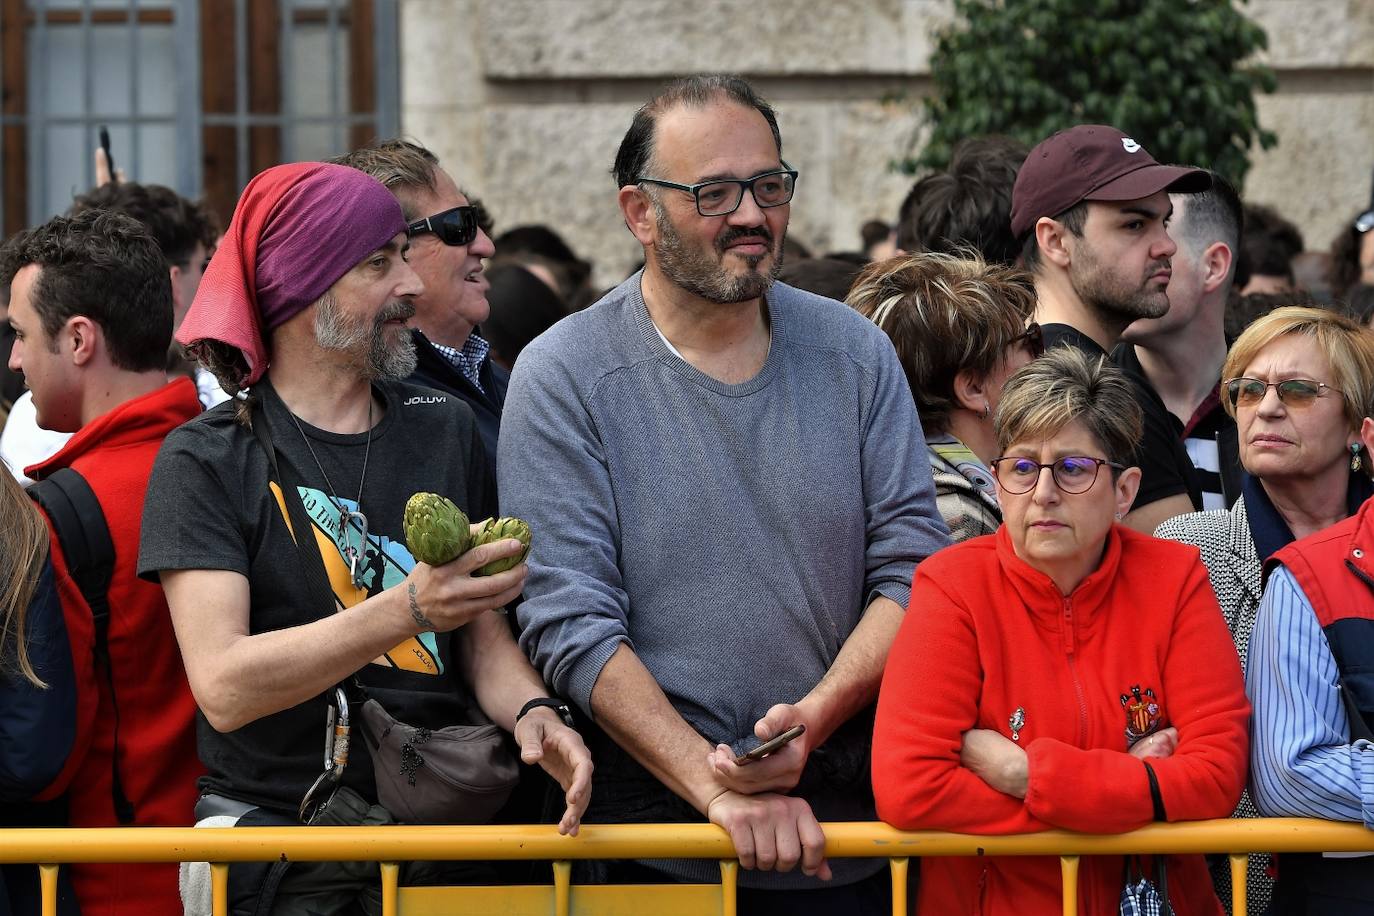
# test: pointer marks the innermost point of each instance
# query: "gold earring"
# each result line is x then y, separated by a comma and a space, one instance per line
1356, 462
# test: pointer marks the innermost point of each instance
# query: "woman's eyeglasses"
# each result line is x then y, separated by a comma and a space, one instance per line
1294, 392
453, 227
1072, 473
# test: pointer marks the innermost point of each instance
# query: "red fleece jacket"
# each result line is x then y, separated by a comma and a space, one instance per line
986, 635
157, 740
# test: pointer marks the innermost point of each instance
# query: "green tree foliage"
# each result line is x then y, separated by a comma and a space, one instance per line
1174, 74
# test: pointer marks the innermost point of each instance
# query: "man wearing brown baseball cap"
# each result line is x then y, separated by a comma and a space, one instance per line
1092, 162
1091, 207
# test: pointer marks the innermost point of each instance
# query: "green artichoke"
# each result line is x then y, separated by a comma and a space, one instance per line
492, 530
436, 529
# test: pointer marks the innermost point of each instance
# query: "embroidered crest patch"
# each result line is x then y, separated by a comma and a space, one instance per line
1144, 713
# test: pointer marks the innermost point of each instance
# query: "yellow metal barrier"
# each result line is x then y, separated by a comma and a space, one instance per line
51, 847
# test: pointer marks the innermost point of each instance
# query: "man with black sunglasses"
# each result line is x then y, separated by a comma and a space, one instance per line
447, 250
729, 484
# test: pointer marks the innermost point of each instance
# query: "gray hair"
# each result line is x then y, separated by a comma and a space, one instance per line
404, 167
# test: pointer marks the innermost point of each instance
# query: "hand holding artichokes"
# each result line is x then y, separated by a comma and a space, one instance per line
437, 532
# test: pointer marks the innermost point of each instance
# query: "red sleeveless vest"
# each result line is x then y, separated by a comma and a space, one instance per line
1335, 569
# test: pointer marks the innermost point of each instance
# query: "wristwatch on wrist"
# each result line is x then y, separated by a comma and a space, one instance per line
553, 703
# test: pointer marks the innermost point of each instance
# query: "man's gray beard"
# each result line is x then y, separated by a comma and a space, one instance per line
702, 277
333, 332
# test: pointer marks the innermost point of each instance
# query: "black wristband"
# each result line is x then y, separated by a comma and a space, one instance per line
556, 705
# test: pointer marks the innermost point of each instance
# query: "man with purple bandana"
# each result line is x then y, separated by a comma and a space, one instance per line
303, 312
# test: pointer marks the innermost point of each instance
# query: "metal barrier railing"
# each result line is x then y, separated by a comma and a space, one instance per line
51, 847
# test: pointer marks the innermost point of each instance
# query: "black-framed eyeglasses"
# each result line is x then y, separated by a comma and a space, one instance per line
1034, 337
1072, 473
1293, 392
722, 196
453, 227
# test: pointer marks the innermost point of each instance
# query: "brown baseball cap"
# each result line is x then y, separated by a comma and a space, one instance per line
1091, 162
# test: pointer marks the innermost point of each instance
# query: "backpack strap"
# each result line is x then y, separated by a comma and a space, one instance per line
79, 523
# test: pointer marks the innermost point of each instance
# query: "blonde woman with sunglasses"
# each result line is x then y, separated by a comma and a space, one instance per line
1299, 382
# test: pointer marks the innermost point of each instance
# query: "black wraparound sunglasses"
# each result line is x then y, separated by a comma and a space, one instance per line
1034, 337
453, 227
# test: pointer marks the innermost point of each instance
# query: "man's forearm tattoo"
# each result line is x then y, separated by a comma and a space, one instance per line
416, 614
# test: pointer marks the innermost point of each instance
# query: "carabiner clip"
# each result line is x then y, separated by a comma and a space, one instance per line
319, 795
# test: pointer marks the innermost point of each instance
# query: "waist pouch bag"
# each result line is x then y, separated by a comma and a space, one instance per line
460, 774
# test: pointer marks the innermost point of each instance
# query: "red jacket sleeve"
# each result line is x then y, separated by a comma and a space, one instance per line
928, 699
1108, 791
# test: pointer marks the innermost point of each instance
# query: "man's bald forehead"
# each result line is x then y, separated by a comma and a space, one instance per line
637, 147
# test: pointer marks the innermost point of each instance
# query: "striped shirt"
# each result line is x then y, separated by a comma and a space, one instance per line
1302, 762
467, 360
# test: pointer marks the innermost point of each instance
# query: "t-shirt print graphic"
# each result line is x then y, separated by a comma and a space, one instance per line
384, 563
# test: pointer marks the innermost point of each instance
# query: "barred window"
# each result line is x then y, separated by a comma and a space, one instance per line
199, 95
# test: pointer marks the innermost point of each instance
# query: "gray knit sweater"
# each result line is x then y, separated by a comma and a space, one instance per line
732, 535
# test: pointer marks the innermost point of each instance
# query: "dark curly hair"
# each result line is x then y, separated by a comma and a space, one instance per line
1268, 244
106, 266
967, 205
176, 223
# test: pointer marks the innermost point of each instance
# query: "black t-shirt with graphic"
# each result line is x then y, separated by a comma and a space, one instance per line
210, 506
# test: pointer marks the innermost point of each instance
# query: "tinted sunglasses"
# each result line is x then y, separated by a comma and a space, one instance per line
1293, 392
1034, 337
453, 227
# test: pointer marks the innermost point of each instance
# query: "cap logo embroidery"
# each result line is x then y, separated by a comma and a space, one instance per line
1130, 145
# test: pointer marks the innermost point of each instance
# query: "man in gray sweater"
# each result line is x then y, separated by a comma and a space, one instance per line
727, 483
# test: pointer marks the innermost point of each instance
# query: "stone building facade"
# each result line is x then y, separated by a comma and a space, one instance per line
526, 100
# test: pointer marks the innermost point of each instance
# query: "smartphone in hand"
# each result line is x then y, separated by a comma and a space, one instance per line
769, 746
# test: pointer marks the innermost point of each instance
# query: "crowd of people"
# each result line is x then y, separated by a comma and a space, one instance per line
1048, 509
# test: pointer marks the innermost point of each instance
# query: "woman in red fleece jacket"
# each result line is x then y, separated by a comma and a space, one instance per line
1047, 674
